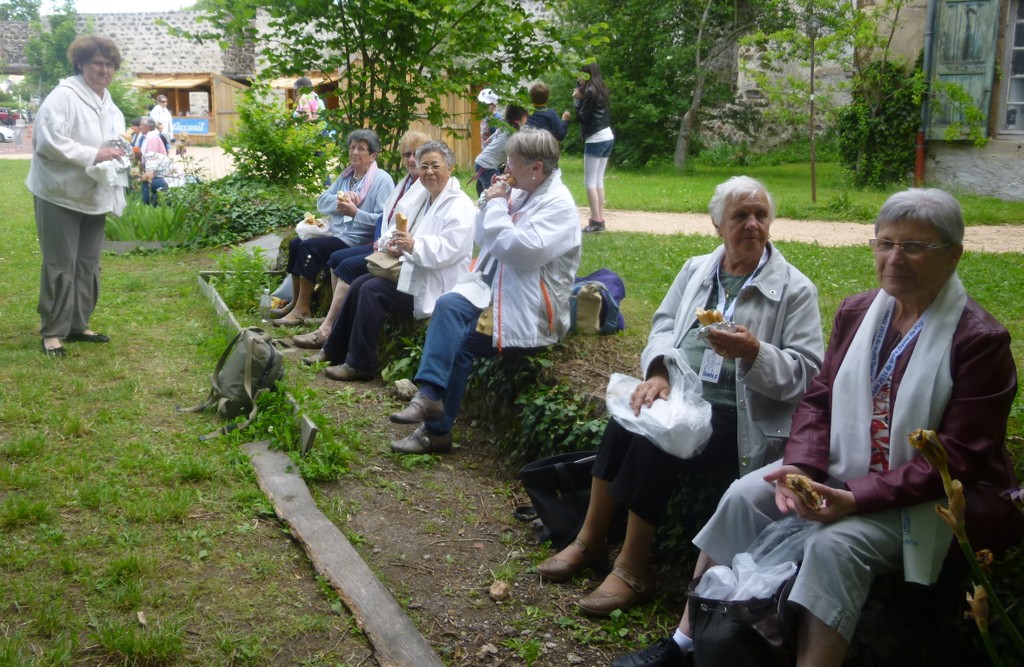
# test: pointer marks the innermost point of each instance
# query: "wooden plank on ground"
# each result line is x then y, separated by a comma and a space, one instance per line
395, 639
223, 312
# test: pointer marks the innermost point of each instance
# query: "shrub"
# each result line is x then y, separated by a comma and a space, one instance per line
234, 208
272, 146
242, 278
140, 222
876, 131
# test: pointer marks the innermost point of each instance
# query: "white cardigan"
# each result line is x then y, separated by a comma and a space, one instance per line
69, 129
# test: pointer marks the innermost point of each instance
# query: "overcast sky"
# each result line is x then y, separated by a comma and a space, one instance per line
119, 6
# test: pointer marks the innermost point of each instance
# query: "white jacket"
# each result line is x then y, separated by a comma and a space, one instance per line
780, 308
538, 247
443, 244
70, 128
163, 116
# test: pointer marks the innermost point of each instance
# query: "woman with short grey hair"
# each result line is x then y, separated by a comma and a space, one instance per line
352, 205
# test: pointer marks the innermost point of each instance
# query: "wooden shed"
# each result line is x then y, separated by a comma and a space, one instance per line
461, 130
203, 105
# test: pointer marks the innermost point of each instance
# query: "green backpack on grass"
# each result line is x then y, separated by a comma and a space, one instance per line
249, 366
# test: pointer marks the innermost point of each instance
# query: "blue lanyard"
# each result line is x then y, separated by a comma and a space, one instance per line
885, 374
727, 312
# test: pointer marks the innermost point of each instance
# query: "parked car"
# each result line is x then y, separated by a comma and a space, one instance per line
9, 116
6, 134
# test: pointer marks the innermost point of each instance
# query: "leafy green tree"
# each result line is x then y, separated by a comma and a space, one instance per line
399, 60
19, 10
666, 63
47, 49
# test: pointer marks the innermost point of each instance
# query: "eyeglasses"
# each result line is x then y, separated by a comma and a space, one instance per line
102, 64
908, 248
408, 154
358, 149
433, 166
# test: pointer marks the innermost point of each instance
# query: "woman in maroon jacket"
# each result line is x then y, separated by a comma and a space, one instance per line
917, 353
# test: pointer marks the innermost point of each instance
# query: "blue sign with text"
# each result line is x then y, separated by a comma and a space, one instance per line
191, 125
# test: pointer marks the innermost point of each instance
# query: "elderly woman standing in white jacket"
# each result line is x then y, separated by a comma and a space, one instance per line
517, 297
434, 251
76, 179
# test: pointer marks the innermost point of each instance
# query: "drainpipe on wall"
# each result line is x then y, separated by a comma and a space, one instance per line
922, 131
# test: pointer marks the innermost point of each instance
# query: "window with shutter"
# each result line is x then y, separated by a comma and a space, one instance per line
1011, 111
964, 54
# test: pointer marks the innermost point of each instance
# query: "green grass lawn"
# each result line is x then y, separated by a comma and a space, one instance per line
111, 507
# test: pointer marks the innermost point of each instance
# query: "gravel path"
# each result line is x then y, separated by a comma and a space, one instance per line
1000, 238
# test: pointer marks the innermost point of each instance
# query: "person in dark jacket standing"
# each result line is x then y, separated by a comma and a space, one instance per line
592, 110
544, 118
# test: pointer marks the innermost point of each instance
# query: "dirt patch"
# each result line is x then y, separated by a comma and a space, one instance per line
439, 531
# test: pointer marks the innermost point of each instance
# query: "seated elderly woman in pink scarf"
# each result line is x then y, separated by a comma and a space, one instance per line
352, 205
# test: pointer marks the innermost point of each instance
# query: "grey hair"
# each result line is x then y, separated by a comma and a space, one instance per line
532, 144
364, 135
935, 207
737, 188
303, 82
147, 121
437, 147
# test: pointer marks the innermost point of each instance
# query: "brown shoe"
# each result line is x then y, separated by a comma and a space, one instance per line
420, 409
602, 604
313, 340
345, 373
422, 441
317, 358
290, 320
557, 570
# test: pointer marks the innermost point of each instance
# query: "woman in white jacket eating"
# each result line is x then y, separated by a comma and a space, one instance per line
517, 297
434, 251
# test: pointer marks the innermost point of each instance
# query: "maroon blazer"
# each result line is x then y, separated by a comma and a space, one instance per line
973, 427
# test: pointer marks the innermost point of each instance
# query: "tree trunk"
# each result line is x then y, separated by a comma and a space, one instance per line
686, 125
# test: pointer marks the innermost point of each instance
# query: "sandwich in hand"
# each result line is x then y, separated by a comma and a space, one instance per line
801, 486
706, 317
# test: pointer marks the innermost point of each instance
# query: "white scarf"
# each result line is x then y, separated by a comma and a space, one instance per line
923, 394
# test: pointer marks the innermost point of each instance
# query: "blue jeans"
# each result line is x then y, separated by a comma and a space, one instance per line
484, 180
150, 190
451, 346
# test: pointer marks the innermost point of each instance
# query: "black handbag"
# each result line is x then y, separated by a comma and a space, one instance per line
760, 632
559, 488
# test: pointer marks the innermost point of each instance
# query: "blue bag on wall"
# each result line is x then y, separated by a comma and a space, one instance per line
594, 303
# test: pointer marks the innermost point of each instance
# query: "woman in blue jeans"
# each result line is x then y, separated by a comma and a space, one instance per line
516, 298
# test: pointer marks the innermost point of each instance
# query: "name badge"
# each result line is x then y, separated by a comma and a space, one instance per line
711, 367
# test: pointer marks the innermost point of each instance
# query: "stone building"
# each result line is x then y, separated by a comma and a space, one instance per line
979, 45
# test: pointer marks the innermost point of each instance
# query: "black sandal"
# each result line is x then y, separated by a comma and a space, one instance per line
58, 351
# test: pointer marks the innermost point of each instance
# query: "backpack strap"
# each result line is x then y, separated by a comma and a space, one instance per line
214, 395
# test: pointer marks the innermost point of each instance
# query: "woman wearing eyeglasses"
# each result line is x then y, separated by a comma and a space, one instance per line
349, 263
78, 175
434, 251
915, 353
352, 205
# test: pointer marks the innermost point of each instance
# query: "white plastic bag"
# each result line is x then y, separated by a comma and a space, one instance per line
680, 425
307, 228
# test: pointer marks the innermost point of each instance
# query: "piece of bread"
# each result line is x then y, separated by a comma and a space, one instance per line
801, 486
342, 196
706, 317
401, 222
511, 180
